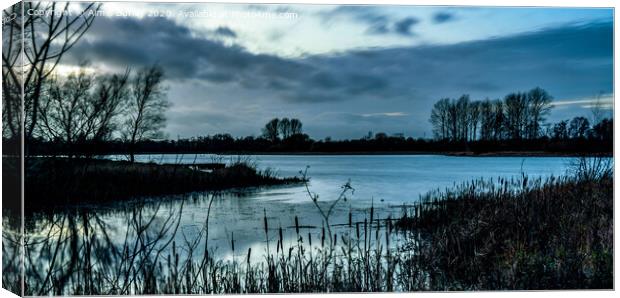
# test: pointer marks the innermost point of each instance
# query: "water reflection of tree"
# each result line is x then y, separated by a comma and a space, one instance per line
77, 252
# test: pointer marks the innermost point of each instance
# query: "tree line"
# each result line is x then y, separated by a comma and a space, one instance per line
85, 115
284, 128
598, 140
518, 116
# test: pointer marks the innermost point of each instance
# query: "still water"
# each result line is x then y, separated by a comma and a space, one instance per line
387, 182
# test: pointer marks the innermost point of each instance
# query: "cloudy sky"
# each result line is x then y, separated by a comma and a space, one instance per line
347, 70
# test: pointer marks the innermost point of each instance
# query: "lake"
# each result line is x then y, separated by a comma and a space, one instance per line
391, 179
387, 182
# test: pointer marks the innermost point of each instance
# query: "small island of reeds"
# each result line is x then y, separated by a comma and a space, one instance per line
57, 181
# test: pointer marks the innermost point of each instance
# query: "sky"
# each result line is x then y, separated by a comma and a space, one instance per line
347, 70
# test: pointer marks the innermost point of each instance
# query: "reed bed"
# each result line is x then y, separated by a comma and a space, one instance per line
57, 181
517, 234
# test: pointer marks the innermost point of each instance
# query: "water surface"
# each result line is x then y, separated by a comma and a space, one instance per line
385, 181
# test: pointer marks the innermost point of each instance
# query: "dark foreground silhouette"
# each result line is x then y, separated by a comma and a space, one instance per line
58, 181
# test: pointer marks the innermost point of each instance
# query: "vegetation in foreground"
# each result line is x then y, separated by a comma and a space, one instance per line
485, 235
53, 181
522, 235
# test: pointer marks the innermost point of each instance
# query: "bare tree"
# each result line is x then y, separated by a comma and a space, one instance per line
46, 39
108, 100
63, 108
81, 108
596, 166
284, 126
296, 126
604, 130
473, 114
462, 110
145, 108
578, 127
271, 130
453, 121
516, 114
597, 109
539, 105
499, 129
487, 118
439, 118
560, 130
11, 66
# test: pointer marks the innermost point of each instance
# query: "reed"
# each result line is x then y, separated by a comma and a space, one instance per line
520, 234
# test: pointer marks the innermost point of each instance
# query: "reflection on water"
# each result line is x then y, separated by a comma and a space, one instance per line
108, 245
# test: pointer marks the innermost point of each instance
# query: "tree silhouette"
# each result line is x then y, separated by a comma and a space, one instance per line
284, 126
439, 118
45, 39
109, 99
539, 103
64, 113
271, 130
519, 116
296, 126
560, 130
578, 127
146, 107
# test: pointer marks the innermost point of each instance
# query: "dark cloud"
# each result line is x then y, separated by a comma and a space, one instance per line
442, 17
140, 42
377, 23
404, 26
184, 55
569, 61
364, 14
572, 57
225, 31
371, 16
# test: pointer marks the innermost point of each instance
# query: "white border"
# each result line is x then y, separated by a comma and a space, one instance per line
538, 3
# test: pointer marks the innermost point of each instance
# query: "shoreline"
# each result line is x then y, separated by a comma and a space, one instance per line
454, 153
63, 182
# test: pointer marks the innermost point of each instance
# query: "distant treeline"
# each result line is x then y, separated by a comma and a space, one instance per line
595, 139
517, 124
519, 116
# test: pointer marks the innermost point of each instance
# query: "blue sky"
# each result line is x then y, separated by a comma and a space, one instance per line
347, 70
